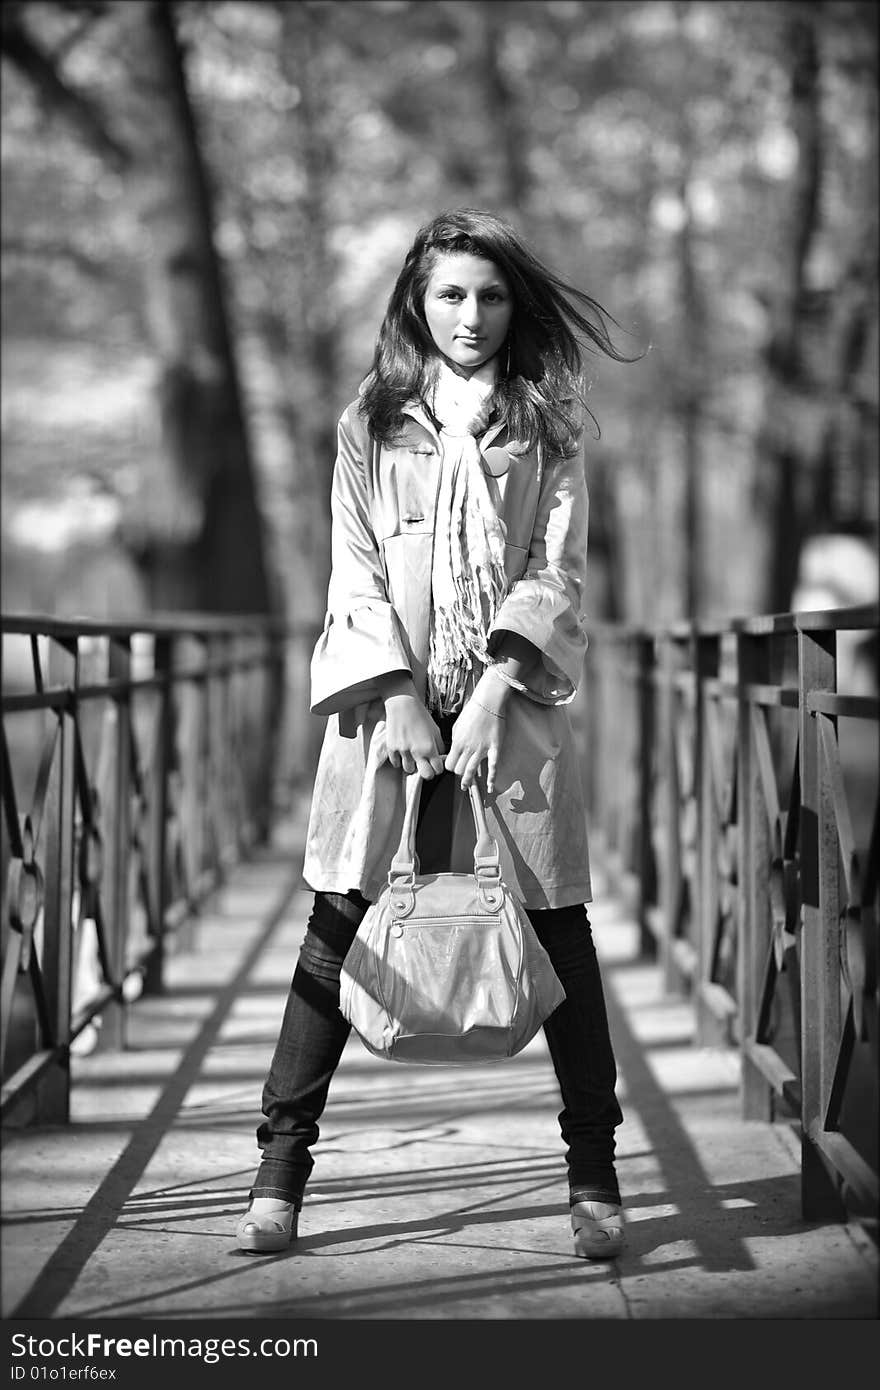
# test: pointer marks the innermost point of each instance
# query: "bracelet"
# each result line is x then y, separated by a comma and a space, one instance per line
493, 712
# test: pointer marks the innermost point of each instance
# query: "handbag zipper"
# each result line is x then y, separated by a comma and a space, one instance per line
489, 917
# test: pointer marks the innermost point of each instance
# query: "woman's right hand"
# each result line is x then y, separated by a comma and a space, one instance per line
412, 739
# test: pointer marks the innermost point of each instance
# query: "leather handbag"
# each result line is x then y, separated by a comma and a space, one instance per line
446, 968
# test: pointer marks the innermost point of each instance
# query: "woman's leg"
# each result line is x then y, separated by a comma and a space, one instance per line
310, 1043
580, 1047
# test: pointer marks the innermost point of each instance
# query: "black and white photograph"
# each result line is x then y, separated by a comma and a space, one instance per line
439, 553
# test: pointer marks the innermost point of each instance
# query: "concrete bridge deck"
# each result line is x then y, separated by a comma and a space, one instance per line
438, 1194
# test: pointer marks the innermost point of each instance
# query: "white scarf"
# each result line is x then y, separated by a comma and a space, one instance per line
468, 580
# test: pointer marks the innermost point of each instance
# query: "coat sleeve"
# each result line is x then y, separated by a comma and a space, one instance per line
362, 637
544, 606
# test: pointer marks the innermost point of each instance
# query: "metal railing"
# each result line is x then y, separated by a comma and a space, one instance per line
731, 778
732, 788
138, 764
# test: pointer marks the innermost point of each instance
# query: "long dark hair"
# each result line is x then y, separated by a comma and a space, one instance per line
540, 394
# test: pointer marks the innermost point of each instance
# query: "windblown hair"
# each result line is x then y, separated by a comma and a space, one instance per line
540, 395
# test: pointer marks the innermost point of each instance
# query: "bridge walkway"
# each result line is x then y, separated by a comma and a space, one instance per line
437, 1193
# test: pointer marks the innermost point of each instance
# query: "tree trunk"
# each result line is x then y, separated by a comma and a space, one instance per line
198, 534
195, 531
313, 337
695, 370
314, 330
508, 134
846, 496
779, 460
606, 558
691, 411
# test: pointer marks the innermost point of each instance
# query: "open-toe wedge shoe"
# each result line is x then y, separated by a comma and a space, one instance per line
260, 1232
598, 1229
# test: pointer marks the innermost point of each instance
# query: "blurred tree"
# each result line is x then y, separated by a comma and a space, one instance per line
818, 435
657, 152
483, 32
783, 353
195, 531
694, 375
202, 538
316, 346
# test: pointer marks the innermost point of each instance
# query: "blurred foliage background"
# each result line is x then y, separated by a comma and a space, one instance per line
205, 206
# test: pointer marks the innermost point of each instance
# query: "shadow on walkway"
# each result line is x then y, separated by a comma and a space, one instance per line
437, 1193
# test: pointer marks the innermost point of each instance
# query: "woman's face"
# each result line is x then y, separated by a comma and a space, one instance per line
468, 307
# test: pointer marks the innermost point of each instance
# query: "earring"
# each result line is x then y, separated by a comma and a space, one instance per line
507, 370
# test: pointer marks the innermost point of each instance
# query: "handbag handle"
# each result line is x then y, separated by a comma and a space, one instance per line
487, 861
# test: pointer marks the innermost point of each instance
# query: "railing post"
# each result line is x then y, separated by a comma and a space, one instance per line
589, 727
192, 783
238, 725
273, 697
159, 806
223, 707
754, 878
647, 870
820, 931
205, 787
53, 1088
607, 780
116, 828
596, 751
671, 873
709, 1032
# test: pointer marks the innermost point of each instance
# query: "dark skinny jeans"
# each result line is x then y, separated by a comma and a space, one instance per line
314, 1033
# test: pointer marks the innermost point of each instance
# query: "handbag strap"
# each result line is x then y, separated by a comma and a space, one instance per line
404, 865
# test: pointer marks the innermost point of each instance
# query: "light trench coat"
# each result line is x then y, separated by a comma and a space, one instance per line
383, 507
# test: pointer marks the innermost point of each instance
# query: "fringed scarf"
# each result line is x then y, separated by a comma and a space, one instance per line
467, 577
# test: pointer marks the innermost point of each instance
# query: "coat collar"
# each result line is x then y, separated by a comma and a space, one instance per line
417, 411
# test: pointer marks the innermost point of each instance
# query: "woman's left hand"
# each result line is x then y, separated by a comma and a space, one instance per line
477, 736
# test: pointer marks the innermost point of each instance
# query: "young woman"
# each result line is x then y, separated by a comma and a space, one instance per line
451, 647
